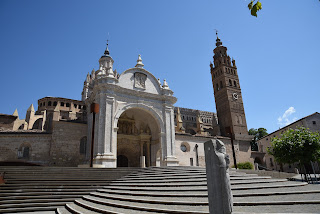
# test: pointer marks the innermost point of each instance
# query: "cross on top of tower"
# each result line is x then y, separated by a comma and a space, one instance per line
218, 42
106, 52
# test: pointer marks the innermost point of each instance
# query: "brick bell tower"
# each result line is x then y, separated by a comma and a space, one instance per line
227, 93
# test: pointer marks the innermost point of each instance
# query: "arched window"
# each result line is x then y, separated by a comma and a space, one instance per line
75, 105
49, 103
40, 104
230, 82
62, 104
68, 105
221, 85
235, 83
83, 145
24, 151
55, 103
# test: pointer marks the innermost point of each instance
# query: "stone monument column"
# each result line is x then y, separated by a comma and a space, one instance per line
218, 180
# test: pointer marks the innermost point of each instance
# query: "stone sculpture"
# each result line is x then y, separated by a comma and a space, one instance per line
218, 180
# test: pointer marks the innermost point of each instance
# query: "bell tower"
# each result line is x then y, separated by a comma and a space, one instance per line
227, 92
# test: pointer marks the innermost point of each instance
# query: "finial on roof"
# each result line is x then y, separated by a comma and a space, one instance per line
165, 84
15, 113
218, 42
106, 52
31, 108
139, 62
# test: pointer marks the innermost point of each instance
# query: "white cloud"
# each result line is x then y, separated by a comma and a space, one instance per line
285, 118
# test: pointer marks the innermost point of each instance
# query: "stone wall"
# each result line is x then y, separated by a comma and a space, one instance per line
13, 143
242, 149
59, 148
65, 148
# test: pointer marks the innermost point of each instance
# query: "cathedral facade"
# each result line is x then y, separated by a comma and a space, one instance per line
128, 120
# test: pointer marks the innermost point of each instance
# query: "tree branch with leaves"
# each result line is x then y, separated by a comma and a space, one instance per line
254, 7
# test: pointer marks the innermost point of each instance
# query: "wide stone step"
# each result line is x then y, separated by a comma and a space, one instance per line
62, 210
51, 185
92, 208
187, 178
289, 209
191, 182
200, 188
194, 201
47, 190
310, 197
160, 208
203, 201
17, 203
39, 207
194, 194
156, 193
4, 199
26, 194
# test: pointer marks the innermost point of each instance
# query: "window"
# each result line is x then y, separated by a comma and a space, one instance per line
49, 103
79, 107
314, 122
68, 105
75, 105
267, 139
221, 85
40, 104
62, 104
55, 103
235, 83
183, 148
23, 152
230, 82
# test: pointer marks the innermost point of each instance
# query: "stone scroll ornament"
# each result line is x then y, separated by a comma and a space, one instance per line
140, 80
218, 180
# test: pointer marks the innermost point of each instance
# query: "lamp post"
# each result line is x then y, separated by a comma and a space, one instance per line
229, 131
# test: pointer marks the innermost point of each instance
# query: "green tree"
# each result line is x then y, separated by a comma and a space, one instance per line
258, 133
296, 146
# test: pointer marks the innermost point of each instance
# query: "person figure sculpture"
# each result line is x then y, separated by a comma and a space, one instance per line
218, 179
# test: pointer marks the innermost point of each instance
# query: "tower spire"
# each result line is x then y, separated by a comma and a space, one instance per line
106, 52
218, 41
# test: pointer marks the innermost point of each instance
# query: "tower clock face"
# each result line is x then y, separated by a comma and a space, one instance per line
235, 96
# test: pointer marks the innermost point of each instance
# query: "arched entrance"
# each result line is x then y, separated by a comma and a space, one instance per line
138, 138
122, 161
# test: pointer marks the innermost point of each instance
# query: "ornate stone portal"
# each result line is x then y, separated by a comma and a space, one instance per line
135, 123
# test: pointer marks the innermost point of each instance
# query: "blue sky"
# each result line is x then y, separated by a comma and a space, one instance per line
48, 47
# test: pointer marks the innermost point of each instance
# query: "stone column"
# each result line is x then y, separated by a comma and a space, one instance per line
105, 156
169, 137
142, 157
148, 154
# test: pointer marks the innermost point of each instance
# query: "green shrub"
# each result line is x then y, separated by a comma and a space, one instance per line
245, 165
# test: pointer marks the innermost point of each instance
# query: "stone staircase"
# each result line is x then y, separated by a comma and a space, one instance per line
151, 190
42, 189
